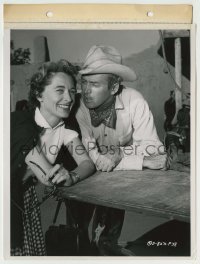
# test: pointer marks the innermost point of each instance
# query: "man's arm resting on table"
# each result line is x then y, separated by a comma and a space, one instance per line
148, 151
157, 162
139, 162
120, 161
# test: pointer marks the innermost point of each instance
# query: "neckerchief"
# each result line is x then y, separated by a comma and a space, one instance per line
105, 114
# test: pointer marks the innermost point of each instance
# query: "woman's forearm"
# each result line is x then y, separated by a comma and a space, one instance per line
85, 169
39, 165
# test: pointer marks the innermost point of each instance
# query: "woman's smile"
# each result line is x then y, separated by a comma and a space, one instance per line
64, 106
58, 98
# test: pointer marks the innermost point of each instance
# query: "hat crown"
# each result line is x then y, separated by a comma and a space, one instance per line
102, 53
106, 60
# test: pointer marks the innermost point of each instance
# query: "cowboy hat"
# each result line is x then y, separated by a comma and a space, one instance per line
106, 59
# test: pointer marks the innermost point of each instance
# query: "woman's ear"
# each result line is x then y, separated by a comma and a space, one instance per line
39, 97
115, 88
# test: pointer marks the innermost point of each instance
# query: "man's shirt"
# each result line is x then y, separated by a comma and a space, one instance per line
135, 133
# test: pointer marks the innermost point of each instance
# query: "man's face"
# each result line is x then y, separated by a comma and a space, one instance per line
95, 89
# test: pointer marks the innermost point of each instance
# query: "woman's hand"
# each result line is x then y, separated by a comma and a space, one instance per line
58, 174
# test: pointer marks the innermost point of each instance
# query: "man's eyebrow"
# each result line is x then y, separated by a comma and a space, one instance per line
93, 82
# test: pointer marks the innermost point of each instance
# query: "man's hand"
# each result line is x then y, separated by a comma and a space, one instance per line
104, 163
157, 162
108, 161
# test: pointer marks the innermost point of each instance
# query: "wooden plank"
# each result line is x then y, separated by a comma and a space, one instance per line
163, 193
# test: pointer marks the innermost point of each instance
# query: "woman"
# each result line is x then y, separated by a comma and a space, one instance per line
36, 139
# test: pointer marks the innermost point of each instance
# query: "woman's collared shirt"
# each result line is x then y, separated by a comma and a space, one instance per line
51, 139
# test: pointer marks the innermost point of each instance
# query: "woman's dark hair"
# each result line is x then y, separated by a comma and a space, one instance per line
44, 77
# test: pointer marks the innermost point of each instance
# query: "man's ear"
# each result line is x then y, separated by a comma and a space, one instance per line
115, 88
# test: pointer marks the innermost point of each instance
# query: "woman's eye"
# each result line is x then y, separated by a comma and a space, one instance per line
60, 91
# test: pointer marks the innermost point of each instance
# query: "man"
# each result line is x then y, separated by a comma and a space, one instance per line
117, 126
112, 117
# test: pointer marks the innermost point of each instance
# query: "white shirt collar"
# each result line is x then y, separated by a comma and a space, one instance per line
119, 103
41, 121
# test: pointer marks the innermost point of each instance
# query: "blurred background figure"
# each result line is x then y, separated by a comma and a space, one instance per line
170, 110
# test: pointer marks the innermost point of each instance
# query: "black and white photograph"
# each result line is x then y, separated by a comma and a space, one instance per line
100, 143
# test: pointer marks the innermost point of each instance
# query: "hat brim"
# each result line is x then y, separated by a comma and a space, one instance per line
122, 71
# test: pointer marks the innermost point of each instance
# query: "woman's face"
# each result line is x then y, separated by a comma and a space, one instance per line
57, 98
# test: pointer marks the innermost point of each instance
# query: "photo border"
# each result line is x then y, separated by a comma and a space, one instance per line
193, 120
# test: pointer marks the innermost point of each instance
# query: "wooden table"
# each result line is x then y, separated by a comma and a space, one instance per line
163, 193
